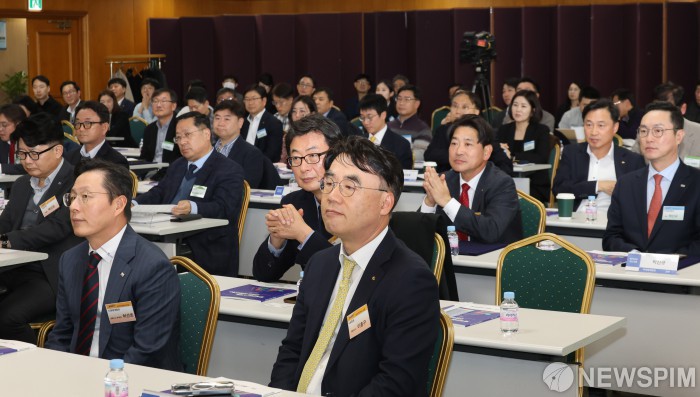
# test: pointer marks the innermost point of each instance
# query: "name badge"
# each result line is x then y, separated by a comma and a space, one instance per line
167, 145
652, 263
261, 133
529, 145
120, 312
410, 175
49, 206
358, 321
279, 191
692, 161
673, 213
198, 191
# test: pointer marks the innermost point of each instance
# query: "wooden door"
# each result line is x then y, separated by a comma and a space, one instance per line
55, 50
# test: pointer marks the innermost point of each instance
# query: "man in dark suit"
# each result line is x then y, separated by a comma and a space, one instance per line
41, 87
158, 143
630, 114
36, 220
203, 182
10, 116
297, 230
384, 347
373, 117
323, 97
261, 128
118, 87
118, 295
657, 208
259, 171
70, 91
592, 168
91, 127
477, 197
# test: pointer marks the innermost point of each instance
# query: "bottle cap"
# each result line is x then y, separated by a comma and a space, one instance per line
509, 295
116, 363
591, 198
451, 229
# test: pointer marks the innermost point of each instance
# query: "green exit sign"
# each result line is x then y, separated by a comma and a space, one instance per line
35, 5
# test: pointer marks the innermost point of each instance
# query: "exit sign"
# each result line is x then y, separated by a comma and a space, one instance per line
35, 5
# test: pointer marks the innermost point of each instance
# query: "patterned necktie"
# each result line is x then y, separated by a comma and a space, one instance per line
464, 200
190, 172
88, 305
324, 336
655, 205
373, 139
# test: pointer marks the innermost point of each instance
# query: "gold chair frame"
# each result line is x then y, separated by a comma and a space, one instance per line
141, 119
244, 210
443, 363
44, 329
540, 207
134, 184
71, 137
69, 125
440, 253
555, 166
618, 139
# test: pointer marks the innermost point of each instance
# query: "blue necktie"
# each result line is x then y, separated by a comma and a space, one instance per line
190, 172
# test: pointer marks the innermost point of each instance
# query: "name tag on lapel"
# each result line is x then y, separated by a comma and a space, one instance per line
167, 145
529, 145
262, 133
358, 321
198, 191
120, 312
49, 206
673, 213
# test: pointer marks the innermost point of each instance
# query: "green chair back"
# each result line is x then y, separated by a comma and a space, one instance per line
437, 116
357, 123
414, 229
199, 310
532, 213
68, 128
137, 125
440, 360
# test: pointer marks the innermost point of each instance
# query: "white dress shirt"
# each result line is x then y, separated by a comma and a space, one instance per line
379, 135
602, 169
253, 127
452, 206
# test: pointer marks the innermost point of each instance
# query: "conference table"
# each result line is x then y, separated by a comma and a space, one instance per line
585, 234
10, 258
661, 311
249, 334
166, 235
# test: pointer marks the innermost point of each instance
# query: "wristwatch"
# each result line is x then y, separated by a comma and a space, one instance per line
4, 240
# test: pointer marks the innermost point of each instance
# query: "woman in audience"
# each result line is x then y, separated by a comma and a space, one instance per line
302, 106
10, 116
118, 120
570, 102
386, 89
526, 140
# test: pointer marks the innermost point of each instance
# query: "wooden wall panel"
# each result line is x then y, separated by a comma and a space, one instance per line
351, 63
318, 51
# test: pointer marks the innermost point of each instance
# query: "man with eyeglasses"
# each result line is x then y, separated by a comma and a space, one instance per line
657, 208
630, 115
373, 117
363, 85
296, 229
91, 127
261, 128
35, 219
158, 137
207, 183
282, 97
118, 295
323, 98
408, 123
366, 318
306, 85
197, 101
71, 96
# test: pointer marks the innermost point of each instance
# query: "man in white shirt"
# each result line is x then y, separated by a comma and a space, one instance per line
70, 90
261, 128
373, 117
91, 127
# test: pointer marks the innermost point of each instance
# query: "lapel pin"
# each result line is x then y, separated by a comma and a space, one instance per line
122, 274
374, 278
622, 162
682, 185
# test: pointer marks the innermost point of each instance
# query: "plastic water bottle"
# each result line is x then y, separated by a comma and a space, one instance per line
2, 198
301, 277
141, 144
453, 240
591, 210
509, 314
116, 381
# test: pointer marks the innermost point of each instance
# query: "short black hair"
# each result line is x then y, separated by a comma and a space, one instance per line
13, 112
588, 92
266, 78
414, 89
150, 81
115, 104
482, 127
512, 82
96, 107
604, 103
531, 98
373, 101
27, 102
235, 107
117, 80
39, 129
308, 76
226, 90
675, 113
199, 119
400, 77
622, 94
198, 94
361, 76
669, 92
327, 90
169, 91
388, 83
370, 158
283, 90
314, 123
230, 77
41, 78
69, 82
256, 88
196, 83
116, 180
530, 80
306, 100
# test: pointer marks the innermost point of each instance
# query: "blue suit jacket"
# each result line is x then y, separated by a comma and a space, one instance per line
140, 273
388, 359
271, 143
106, 153
268, 268
572, 174
627, 215
215, 250
398, 145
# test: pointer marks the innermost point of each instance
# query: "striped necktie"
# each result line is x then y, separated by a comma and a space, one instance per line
88, 305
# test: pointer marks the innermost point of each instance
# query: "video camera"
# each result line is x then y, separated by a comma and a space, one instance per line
477, 48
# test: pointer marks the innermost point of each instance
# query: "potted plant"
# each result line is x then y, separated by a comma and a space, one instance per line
14, 85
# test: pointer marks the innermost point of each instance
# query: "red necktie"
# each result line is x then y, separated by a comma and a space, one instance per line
655, 205
464, 200
88, 305
12, 153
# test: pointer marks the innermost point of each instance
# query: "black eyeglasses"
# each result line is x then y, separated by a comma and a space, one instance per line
347, 187
86, 124
311, 158
32, 154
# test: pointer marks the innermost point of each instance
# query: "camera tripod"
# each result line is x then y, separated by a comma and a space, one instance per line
482, 89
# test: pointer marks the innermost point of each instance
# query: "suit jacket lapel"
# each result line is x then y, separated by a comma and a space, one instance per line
24, 194
479, 189
583, 159
178, 171
452, 179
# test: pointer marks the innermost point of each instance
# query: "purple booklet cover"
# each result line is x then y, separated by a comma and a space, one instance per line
467, 317
607, 259
263, 193
256, 292
6, 350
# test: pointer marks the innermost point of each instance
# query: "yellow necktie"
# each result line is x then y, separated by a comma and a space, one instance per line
324, 337
373, 139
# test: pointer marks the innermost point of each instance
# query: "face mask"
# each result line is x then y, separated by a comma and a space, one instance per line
229, 84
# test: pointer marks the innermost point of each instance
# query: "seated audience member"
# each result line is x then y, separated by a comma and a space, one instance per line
91, 127
381, 279
529, 84
118, 87
159, 136
297, 230
572, 101
306, 85
507, 93
266, 81
114, 266
408, 102
144, 109
630, 115
10, 117
692, 113
399, 81
574, 116
450, 116
27, 104
197, 101
528, 140
657, 208
41, 87
203, 181
35, 219
302, 106
475, 196
70, 91
593, 167
261, 128
283, 96
386, 89
258, 169
373, 118
231, 82
323, 97
118, 120
227, 94
463, 103
363, 85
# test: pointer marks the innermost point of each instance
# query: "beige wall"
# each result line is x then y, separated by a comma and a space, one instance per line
14, 58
